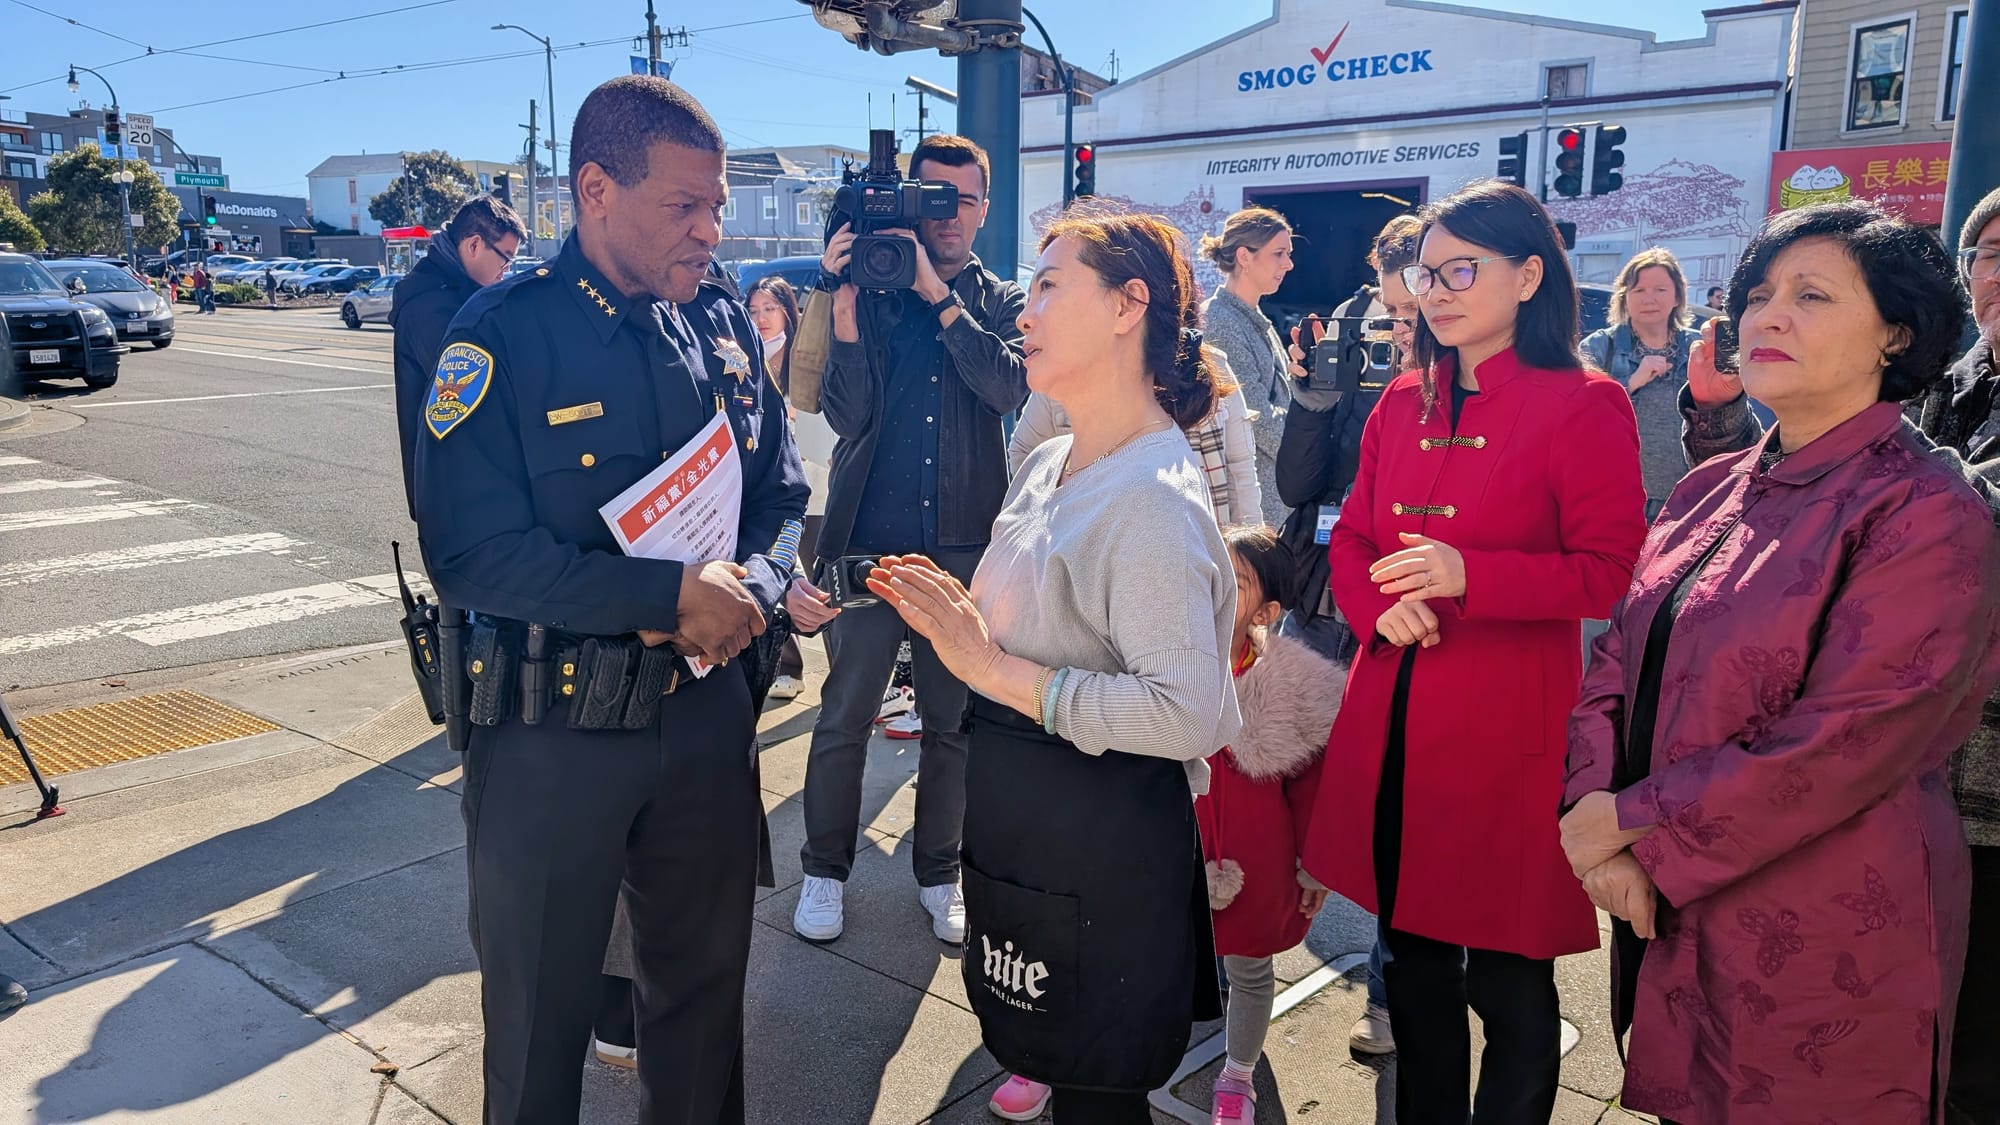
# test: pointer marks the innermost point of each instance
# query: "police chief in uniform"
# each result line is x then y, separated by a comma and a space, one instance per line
556, 391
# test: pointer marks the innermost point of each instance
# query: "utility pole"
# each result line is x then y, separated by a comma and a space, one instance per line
124, 178
989, 113
1068, 75
534, 220
652, 40
1975, 140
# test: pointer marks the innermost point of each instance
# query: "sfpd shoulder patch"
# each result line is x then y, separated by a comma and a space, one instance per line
463, 374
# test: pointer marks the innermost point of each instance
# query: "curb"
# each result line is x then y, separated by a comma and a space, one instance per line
13, 412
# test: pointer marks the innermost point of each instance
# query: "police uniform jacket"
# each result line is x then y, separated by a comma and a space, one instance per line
554, 393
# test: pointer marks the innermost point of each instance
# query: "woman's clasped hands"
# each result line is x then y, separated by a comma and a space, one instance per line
1424, 569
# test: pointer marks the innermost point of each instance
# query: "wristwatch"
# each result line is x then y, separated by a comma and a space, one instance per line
951, 300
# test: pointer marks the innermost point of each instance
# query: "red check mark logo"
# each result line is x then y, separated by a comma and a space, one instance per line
1320, 56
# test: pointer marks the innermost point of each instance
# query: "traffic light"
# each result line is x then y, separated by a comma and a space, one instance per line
1514, 159
1569, 163
503, 188
208, 210
113, 133
1566, 231
1605, 160
1086, 171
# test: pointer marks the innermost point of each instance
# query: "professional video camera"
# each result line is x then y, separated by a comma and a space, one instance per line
876, 199
1358, 353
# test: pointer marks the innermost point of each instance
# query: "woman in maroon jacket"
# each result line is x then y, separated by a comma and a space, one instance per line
1498, 504
1758, 766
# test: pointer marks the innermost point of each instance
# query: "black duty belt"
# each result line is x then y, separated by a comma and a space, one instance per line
519, 670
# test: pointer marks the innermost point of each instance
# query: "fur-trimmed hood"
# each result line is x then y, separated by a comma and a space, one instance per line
1288, 699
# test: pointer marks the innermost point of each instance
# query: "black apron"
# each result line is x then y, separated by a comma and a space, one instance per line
1088, 949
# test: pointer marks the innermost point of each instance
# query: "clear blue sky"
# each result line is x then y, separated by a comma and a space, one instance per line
785, 81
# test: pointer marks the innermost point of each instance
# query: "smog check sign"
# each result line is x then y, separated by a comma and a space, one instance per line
1329, 62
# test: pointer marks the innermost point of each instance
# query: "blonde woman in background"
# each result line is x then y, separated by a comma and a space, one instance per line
1254, 253
1646, 349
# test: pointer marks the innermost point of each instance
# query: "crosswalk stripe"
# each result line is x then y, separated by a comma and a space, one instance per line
39, 485
91, 513
186, 623
11, 461
262, 357
152, 554
212, 398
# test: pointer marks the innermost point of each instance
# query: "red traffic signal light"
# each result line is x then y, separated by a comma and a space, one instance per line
1569, 163
1085, 154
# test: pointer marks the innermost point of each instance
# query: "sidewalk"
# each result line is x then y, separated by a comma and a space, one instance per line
273, 930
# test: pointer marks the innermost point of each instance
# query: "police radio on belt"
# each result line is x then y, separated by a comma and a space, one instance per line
878, 198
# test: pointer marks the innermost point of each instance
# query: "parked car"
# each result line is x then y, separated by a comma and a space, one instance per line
294, 281
370, 303
802, 271
48, 334
251, 273
300, 268
135, 310
340, 280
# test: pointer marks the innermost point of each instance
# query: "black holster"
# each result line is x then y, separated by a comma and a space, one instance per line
457, 689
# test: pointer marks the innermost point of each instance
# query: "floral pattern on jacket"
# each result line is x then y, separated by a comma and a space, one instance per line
1824, 665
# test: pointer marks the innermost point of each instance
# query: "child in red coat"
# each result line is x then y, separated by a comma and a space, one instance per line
1253, 817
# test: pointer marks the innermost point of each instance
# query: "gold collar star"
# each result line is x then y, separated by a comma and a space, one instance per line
591, 292
735, 361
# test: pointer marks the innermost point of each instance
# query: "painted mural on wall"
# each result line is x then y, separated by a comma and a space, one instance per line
1197, 215
1696, 210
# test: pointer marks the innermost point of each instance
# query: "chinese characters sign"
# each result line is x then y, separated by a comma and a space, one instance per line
1908, 180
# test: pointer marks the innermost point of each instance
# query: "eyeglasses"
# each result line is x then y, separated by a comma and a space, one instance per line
1979, 263
1456, 274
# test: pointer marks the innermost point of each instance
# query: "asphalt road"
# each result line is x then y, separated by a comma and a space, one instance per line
233, 496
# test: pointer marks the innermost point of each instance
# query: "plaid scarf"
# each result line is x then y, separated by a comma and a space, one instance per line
1206, 438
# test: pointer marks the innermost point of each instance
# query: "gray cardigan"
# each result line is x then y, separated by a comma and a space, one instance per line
1121, 576
1258, 359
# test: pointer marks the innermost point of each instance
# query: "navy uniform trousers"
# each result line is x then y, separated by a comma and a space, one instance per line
552, 817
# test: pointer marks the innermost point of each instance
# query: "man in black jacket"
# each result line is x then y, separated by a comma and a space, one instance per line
1320, 450
470, 253
917, 383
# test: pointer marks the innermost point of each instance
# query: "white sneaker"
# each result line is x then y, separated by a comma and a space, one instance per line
819, 916
946, 904
905, 726
894, 702
1371, 1034
611, 1055
787, 687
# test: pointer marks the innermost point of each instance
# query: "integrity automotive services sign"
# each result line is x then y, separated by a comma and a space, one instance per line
1332, 64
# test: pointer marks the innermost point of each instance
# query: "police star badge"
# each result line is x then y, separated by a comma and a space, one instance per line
734, 359
463, 374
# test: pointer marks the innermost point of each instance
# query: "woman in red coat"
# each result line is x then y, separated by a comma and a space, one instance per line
1499, 503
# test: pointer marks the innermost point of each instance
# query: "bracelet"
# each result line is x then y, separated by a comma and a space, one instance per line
1041, 683
1054, 697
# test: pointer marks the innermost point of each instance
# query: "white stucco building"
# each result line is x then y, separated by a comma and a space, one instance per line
341, 186
1342, 113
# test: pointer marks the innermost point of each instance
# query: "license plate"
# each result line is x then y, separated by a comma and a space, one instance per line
45, 355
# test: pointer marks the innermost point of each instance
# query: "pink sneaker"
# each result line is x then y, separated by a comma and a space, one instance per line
1019, 1099
1235, 1102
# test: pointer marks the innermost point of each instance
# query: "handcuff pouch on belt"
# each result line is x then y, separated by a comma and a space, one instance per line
610, 683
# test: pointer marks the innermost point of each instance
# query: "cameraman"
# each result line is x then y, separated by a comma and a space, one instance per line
916, 385
1320, 448
1318, 456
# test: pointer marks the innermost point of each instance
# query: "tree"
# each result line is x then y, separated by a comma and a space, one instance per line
427, 193
15, 226
79, 211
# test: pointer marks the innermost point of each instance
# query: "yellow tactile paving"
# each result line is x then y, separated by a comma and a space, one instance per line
124, 730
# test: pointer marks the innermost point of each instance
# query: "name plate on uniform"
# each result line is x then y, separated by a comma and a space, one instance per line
576, 413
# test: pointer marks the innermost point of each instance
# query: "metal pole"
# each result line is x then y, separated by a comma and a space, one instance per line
989, 91
1068, 76
555, 166
652, 40
533, 158
1542, 151
1975, 141
124, 189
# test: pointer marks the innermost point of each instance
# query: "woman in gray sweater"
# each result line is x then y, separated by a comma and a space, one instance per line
1254, 252
1095, 641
